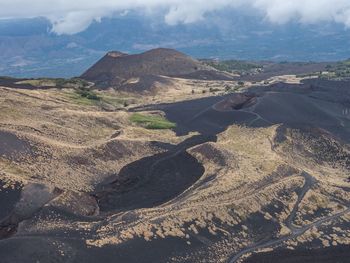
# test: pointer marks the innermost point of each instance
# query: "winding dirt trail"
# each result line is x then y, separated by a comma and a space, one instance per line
295, 231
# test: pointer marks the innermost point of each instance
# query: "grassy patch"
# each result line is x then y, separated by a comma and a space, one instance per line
55, 82
105, 100
152, 122
117, 101
88, 97
75, 97
89, 94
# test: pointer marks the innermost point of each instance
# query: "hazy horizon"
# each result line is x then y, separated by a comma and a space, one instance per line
36, 40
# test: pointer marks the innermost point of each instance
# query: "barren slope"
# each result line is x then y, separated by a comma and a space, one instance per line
241, 174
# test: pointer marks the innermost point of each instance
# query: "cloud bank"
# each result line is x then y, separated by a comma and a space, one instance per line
71, 17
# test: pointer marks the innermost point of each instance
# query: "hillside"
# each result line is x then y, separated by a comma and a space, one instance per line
212, 179
140, 71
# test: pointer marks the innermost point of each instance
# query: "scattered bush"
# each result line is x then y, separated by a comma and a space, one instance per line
212, 90
56, 82
227, 88
88, 94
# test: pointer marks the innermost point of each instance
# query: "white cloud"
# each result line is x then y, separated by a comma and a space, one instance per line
75, 21
305, 11
70, 17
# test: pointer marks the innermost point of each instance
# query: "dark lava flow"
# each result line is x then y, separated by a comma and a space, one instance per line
200, 115
32, 198
314, 103
8, 199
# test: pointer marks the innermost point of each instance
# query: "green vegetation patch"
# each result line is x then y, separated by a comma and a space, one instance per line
233, 66
89, 94
55, 82
116, 100
339, 71
153, 122
107, 101
84, 96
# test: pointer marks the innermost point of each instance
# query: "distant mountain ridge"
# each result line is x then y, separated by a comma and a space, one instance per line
28, 48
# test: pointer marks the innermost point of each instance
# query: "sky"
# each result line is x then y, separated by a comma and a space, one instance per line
68, 17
